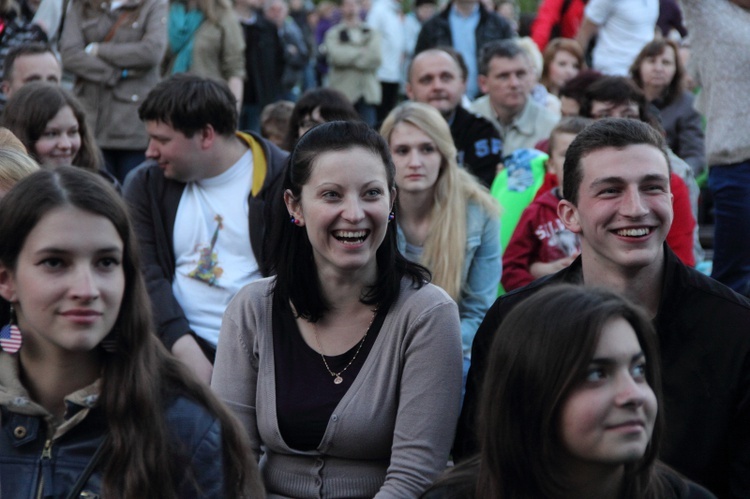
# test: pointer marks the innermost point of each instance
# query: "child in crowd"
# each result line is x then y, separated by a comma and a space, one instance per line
540, 244
274, 121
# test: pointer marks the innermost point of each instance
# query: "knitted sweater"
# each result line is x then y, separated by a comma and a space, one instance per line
390, 435
720, 57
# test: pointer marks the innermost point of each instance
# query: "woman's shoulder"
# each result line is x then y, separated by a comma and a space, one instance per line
478, 215
427, 293
415, 302
679, 487
256, 291
682, 103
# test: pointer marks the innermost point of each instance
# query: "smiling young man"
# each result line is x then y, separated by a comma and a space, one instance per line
617, 199
198, 211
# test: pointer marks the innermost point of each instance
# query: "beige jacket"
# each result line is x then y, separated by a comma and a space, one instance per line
353, 55
109, 96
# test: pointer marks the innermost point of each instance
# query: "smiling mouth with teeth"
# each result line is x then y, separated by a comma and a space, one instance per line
351, 236
640, 232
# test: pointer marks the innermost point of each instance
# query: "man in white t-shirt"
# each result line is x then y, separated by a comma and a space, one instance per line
197, 208
622, 27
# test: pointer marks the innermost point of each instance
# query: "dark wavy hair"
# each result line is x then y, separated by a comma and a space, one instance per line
540, 354
32, 106
653, 49
291, 254
140, 377
333, 106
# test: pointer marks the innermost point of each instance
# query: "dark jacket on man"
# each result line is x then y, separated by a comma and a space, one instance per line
704, 339
153, 201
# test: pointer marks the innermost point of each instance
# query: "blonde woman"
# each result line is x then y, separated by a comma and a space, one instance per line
446, 220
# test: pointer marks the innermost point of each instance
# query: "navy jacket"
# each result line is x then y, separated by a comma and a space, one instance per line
29, 464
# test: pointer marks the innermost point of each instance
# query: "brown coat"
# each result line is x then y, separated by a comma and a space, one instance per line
110, 96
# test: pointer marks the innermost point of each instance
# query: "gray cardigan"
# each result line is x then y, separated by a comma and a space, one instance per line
390, 435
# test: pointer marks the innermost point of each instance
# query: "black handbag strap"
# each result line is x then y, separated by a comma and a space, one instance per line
86, 473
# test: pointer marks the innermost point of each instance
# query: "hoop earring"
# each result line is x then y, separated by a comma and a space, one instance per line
10, 335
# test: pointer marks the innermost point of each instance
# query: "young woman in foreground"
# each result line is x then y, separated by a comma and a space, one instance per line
570, 406
345, 368
92, 403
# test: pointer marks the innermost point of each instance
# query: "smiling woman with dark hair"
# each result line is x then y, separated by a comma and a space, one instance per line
345, 368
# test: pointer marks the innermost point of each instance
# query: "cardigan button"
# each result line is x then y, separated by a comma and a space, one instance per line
334, 418
134, 98
19, 432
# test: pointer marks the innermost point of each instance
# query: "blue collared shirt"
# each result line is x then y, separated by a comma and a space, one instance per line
463, 32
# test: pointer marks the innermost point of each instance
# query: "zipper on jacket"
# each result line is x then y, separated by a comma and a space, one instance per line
46, 455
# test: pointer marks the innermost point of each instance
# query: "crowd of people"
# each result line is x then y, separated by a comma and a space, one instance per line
276, 249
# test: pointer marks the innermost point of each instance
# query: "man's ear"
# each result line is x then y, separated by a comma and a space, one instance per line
482, 83
5, 86
7, 284
293, 207
568, 213
207, 136
409, 92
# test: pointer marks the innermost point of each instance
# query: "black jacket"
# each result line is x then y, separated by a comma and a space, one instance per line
480, 148
437, 31
463, 485
264, 60
153, 202
704, 340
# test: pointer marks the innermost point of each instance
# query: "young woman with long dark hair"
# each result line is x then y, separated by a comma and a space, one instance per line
345, 368
92, 402
570, 405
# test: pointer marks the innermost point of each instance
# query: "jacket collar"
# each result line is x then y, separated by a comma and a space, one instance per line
15, 397
672, 286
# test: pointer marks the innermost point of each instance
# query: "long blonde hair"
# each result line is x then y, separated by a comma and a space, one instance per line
444, 250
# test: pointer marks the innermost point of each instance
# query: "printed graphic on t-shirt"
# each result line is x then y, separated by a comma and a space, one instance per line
518, 164
558, 236
207, 269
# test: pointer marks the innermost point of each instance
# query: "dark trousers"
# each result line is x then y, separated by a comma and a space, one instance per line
730, 188
389, 101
